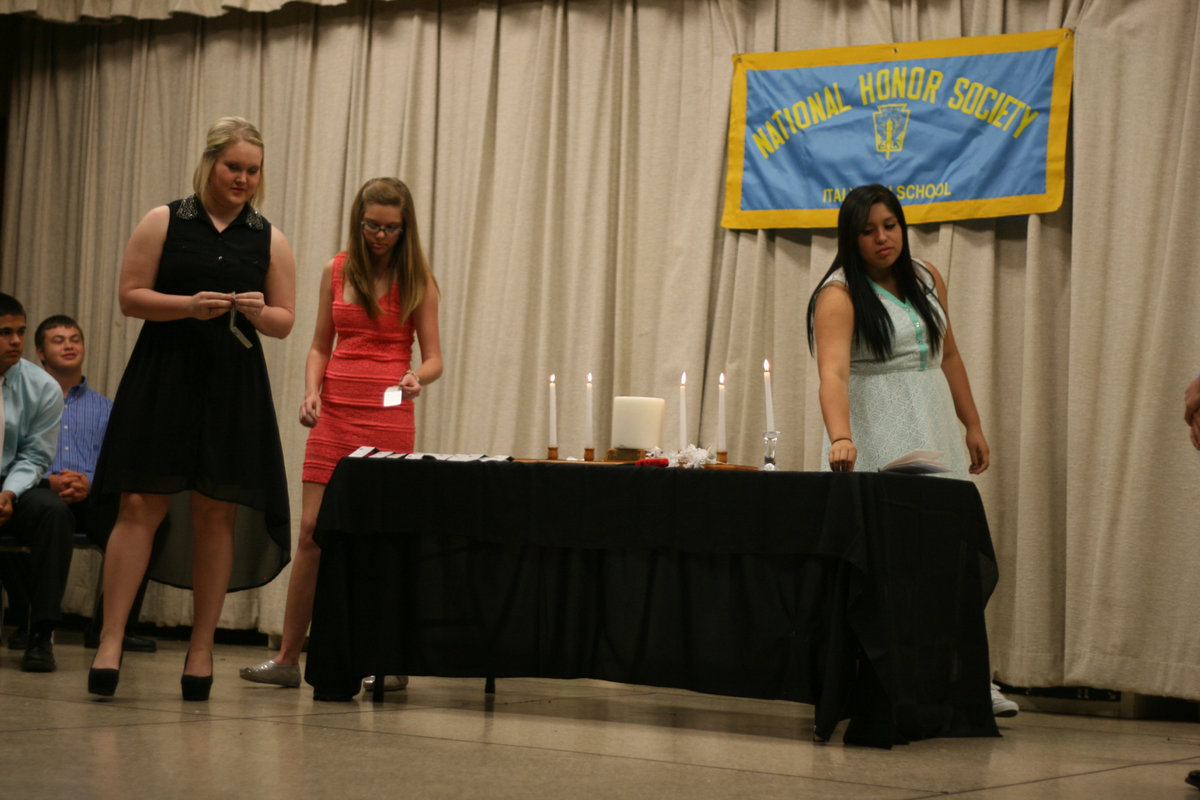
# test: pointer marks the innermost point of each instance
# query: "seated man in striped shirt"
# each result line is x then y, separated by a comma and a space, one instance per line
59, 342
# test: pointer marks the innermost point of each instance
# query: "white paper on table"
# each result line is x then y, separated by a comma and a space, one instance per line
456, 457
392, 396
360, 452
380, 454
918, 462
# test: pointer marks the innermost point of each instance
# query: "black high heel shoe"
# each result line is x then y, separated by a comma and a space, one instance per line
195, 687
104, 681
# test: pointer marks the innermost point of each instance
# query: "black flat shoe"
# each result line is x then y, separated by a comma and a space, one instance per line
20, 638
130, 644
139, 644
195, 687
104, 681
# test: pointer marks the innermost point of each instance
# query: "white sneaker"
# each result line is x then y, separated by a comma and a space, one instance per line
391, 683
1001, 705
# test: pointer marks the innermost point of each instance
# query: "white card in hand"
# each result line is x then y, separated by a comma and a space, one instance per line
233, 328
392, 396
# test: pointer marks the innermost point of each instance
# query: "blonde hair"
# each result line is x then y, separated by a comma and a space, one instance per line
222, 133
407, 267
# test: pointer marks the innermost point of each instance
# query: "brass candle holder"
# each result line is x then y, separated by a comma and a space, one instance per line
552, 453
589, 454
722, 457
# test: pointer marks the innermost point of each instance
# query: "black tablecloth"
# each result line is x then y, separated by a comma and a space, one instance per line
861, 593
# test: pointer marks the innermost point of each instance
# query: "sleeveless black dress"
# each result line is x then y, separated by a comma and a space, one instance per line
194, 410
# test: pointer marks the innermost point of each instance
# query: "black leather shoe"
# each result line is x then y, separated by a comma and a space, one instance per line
131, 643
39, 656
20, 638
139, 644
1193, 778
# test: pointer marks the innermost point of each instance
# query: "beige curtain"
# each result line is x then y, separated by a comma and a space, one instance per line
109, 10
567, 161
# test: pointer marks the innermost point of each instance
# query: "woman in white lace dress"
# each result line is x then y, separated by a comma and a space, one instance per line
892, 379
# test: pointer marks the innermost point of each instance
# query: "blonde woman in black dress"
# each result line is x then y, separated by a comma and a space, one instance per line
193, 427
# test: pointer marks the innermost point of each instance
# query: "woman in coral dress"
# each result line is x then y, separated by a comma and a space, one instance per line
375, 298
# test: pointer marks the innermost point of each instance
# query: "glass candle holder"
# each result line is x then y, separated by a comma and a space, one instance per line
770, 440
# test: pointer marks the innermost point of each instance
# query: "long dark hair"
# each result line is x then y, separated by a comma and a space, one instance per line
872, 325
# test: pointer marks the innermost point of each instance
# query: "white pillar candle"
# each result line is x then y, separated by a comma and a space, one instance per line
553, 414
588, 437
637, 422
721, 413
767, 389
683, 410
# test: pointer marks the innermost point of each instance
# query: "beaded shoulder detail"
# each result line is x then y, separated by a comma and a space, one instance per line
188, 208
254, 220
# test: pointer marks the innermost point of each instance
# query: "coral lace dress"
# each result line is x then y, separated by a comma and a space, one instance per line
369, 356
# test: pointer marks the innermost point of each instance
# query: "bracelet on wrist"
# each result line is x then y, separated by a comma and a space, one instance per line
841, 439
410, 372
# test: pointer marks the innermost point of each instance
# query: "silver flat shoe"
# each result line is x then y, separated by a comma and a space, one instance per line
391, 683
270, 672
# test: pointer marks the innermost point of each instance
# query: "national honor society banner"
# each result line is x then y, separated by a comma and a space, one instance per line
957, 128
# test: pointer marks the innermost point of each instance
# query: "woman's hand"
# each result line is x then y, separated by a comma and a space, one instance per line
410, 385
842, 455
1191, 410
310, 410
207, 305
977, 446
251, 304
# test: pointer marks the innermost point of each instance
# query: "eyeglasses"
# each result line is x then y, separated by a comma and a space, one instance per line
372, 228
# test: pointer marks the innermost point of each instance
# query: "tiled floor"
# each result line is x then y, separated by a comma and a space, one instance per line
538, 738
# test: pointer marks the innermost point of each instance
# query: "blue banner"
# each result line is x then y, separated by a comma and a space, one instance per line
957, 128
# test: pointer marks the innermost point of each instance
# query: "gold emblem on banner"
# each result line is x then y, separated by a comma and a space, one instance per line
891, 125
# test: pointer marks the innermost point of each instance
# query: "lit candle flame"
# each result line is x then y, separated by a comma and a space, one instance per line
767, 391
682, 378
721, 413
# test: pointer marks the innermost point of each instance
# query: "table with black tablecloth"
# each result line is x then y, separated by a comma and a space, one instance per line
860, 593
